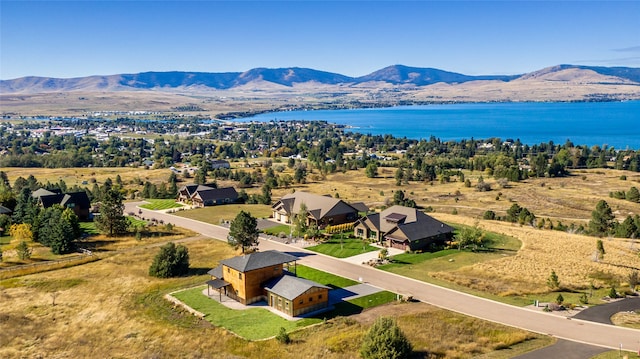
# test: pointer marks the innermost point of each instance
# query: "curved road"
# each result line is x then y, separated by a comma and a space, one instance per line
576, 330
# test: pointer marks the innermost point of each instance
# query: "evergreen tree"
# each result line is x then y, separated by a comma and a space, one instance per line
111, 219
385, 340
372, 170
600, 249
243, 232
23, 250
26, 209
602, 219
553, 282
172, 261
633, 195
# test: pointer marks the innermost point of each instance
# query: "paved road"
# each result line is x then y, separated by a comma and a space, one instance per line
564, 349
576, 330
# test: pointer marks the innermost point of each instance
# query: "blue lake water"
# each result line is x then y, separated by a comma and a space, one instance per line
614, 124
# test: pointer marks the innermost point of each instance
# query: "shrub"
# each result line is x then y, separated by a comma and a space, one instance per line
490, 215
559, 299
385, 340
283, 336
584, 299
613, 293
24, 252
170, 262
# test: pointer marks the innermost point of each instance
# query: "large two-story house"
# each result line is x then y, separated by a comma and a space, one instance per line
270, 276
322, 210
405, 228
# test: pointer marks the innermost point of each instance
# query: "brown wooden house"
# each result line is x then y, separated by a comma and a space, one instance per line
262, 276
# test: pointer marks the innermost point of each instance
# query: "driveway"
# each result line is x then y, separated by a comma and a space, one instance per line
602, 313
577, 330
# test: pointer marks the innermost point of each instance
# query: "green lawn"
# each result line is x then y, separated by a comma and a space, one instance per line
135, 222
5, 240
252, 324
274, 231
357, 305
323, 278
160, 204
89, 228
348, 248
227, 212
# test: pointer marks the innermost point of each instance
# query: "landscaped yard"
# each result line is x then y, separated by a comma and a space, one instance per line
260, 323
276, 230
227, 212
160, 204
253, 324
342, 248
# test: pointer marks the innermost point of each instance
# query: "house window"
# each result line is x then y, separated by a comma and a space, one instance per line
286, 304
301, 301
239, 275
275, 269
373, 235
320, 296
311, 299
359, 232
228, 270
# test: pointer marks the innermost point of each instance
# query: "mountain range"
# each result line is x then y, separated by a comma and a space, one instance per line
233, 94
397, 75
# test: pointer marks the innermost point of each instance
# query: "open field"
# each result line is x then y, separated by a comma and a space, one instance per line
116, 309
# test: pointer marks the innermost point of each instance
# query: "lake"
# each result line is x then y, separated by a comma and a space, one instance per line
614, 124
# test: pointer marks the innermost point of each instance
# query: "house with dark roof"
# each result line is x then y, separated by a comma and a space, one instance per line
322, 210
404, 228
78, 201
269, 276
215, 164
201, 195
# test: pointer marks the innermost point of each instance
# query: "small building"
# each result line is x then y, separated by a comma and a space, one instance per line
404, 228
268, 276
322, 210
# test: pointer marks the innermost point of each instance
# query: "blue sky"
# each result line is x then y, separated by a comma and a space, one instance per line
353, 38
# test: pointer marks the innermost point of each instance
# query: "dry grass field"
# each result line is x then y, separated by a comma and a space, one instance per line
112, 308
